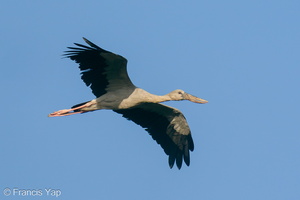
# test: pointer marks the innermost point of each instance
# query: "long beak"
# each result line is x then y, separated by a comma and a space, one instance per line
194, 99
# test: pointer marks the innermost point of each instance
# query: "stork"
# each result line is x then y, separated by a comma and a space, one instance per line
106, 74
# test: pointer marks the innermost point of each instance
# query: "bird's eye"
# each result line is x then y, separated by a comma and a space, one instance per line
179, 92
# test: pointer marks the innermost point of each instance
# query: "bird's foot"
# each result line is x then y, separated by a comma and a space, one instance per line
72, 111
64, 112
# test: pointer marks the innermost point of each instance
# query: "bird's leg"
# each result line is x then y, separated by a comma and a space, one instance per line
66, 112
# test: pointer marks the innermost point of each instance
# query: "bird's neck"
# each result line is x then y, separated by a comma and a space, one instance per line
159, 99
152, 98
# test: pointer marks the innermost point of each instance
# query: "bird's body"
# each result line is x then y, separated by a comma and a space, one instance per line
125, 99
106, 74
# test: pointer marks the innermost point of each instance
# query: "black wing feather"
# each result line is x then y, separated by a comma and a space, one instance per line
95, 67
167, 126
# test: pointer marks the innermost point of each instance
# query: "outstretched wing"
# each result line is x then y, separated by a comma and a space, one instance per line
101, 70
167, 126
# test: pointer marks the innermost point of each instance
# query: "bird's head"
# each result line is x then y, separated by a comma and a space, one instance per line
179, 95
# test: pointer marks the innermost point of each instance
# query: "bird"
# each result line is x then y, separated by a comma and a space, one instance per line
106, 75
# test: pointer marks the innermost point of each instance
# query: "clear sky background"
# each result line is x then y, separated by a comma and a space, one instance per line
242, 56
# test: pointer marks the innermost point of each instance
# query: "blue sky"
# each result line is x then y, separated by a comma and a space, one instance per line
242, 56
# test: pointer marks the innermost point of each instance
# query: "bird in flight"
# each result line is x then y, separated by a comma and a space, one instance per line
106, 74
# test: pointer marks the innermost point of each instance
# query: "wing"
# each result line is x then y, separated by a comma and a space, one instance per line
101, 70
167, 126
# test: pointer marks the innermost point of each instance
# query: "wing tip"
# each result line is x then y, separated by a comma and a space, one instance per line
179, 157
91, 44
86, 40
171, 161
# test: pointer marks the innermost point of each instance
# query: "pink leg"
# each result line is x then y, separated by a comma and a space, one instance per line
66, 112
